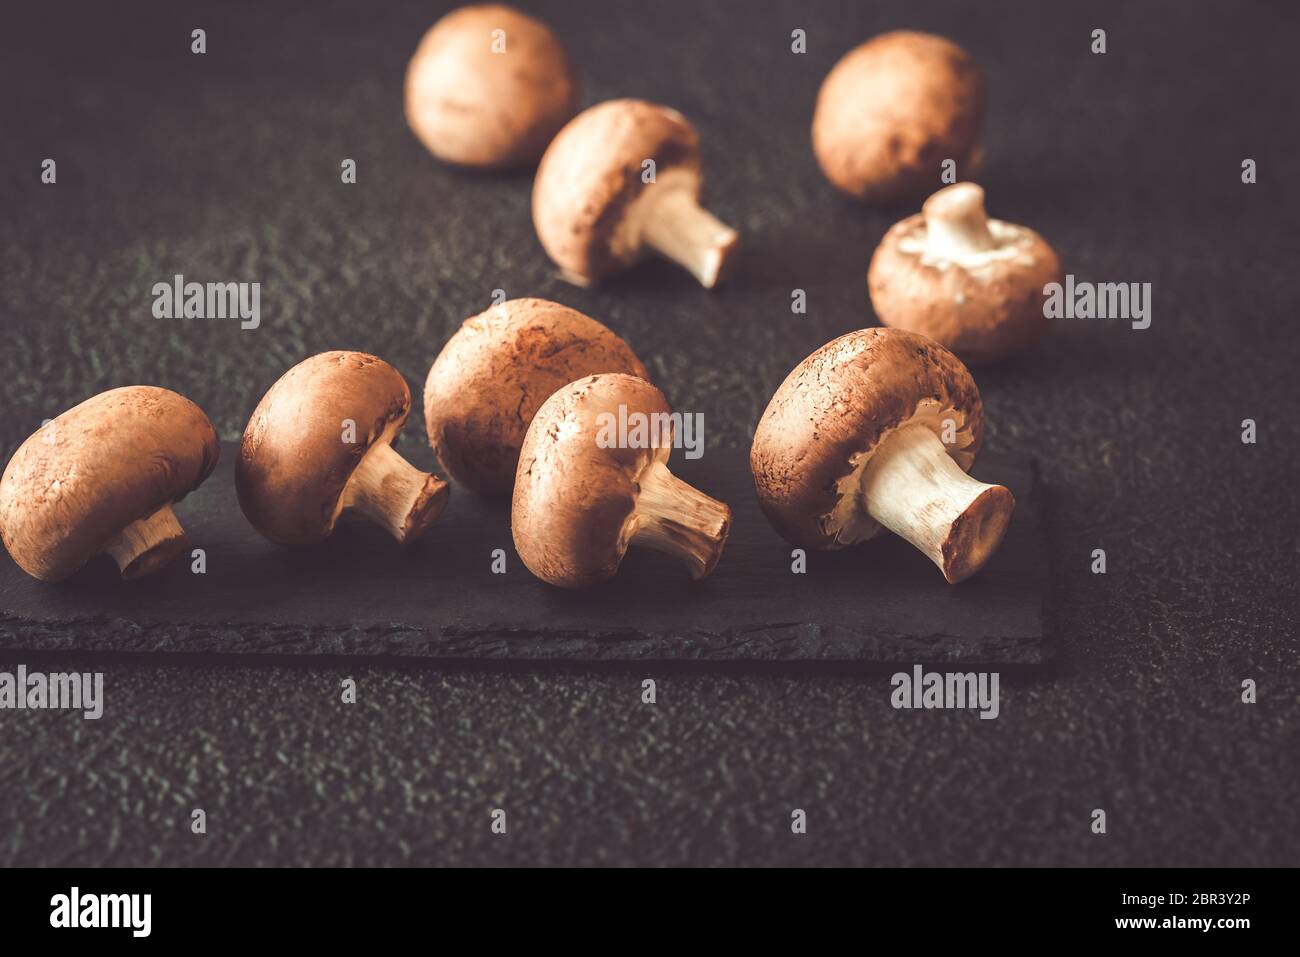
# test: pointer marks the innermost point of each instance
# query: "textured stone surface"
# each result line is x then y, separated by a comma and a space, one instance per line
360, 594
226, 167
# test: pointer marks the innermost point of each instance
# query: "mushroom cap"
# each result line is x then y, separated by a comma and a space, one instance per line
573, 499
475, 107
497, 370
294, 463
831, 413
984, 307
116, 458
891, 110
584, 197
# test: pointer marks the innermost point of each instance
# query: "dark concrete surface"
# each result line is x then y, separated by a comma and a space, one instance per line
226, 166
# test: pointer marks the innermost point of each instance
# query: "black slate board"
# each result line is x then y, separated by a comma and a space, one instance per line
360, 593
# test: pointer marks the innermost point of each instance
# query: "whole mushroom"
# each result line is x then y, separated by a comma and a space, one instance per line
489, 87
495, 372
581, 500
102, 477
878, 429
594, 212
892, 110
973, 284
320, 443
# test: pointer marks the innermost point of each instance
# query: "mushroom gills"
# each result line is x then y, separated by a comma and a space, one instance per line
912, 486
145, 546
393, 493
678, 519
671, 221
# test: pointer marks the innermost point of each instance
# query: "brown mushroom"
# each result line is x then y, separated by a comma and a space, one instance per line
103, 477
892, 110
878, 428
594, 212
973, 284
582, 497
320, 443
496, 371
489, 87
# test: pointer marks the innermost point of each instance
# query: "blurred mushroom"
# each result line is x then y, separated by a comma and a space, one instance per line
489, 86
578, 503
320, 443
497, 370
595, 215
972, 284
103, 477
854, 440
892, 110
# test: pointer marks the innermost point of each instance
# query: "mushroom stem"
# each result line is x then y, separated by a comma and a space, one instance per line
146, 545
679, 228
912, 486
955, 223
678, 519
394, 494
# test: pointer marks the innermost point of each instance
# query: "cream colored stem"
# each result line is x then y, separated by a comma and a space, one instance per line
679, 519
912, 486
394, 494
956, 225
144, 547
679, 228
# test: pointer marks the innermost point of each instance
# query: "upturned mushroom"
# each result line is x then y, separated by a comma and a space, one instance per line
596, 213
102, 478
877, 429
582, 497
495, 372
320, 443
972, 284
489, 87
892, 110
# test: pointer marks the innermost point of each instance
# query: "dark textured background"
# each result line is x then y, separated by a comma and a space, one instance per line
226, 166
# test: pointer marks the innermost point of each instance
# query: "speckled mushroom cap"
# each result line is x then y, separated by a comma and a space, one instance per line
496, 371
293, 462
112, 460
564, 474
984, 306
476, 107
831, 413
892, 110
590, 177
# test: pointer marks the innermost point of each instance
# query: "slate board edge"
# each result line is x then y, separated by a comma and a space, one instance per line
781, 641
